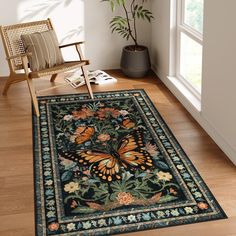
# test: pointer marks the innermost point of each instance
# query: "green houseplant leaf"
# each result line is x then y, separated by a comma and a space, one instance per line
126, 25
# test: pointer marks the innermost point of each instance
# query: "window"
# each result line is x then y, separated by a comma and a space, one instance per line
189, 44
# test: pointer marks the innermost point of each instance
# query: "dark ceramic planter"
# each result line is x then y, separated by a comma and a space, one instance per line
135, 63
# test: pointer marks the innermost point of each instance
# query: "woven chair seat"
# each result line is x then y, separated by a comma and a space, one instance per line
67, 66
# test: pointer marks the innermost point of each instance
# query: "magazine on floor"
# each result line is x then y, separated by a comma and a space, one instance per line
95, 77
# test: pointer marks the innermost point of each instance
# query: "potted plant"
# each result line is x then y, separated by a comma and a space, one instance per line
135, 60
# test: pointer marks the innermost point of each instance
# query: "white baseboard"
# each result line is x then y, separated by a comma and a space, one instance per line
199, 117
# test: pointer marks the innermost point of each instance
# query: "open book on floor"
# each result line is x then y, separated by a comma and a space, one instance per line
95, 77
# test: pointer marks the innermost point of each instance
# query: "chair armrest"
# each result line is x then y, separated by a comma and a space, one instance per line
19, 55
71, 44
86, 62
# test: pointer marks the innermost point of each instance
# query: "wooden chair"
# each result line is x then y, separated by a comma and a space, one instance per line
18, 59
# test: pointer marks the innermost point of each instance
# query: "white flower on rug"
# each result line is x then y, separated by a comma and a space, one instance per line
67, 117
131, 218
47, 173
71, 226
180, 167
49, 182
188, 210
176, 158
102, 222
191, 185
170, 151
47, 164
197, 194
51, 214
124, 112
175, 212
160, 214
71, 187
164, 176
86, 225
51, 202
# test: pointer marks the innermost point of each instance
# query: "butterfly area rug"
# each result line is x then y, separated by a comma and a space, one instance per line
111, 165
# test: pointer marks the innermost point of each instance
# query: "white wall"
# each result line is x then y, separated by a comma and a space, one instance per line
74, 20
218, 115
219, 65
160, 36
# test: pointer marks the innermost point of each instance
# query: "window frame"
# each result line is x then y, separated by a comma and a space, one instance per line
195, 35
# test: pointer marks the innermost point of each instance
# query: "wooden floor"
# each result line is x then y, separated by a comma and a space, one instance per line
16, 165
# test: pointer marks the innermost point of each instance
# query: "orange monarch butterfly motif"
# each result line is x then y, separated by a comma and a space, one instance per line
83, 133
130, 153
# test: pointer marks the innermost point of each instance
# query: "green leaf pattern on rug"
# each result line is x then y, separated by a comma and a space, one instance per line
100, 127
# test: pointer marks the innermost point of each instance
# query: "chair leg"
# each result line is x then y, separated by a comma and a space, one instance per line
53, 77
33, 96
87, 82
7, 84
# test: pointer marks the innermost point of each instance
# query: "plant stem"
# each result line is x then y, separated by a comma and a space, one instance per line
134, 19
129, 27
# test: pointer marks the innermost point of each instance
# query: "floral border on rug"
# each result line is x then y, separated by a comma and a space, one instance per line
111, 165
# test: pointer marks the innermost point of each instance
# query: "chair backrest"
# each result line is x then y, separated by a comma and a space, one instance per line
11, 37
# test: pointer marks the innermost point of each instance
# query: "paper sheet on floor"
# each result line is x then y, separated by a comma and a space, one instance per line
95, 77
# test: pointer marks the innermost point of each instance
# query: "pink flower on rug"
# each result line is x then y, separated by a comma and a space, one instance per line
104, 137
202, 205
53, 226
104, 113
124, 112
65, 162
152, 149
125, 198
82, 114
